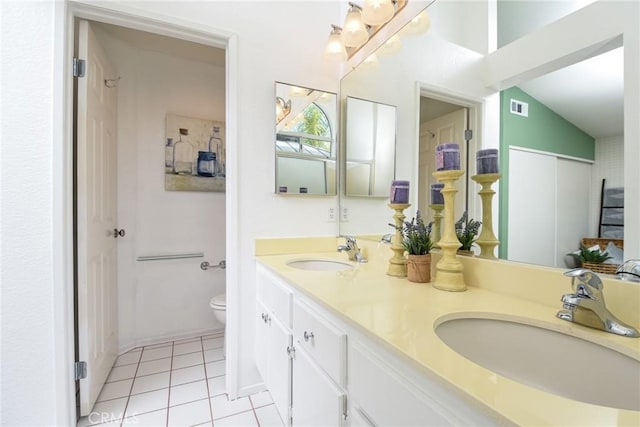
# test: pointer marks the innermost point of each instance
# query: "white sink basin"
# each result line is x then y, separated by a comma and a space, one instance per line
547, 360
320, 265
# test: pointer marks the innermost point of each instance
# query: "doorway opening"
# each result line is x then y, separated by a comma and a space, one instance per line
446, 118
154, 74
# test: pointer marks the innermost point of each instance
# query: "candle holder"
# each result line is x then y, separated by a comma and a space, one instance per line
398, 263
487, 239
449, 269
437, 219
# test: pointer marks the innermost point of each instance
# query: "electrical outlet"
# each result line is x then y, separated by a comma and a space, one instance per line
332, 215
344, 217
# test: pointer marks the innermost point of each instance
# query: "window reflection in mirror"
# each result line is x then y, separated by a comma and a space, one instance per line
305, 143
370, 147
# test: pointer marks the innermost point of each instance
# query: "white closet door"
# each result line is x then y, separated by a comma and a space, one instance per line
574, 202
532, 208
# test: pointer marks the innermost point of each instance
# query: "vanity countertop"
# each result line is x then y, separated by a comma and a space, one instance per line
402, 315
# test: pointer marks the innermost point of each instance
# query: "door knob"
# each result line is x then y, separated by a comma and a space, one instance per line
117, 232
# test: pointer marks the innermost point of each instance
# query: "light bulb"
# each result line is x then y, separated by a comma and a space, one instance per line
371, 62
354, 31
418, 25
335, 50
392, 46
377, 12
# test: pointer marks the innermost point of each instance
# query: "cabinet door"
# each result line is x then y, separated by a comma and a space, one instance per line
279, 366
317, 401
262, 335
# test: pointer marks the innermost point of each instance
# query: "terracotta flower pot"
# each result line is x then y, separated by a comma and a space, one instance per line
465, 252
419, 268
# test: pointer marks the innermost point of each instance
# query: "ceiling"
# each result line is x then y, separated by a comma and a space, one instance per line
162, 44
589, 94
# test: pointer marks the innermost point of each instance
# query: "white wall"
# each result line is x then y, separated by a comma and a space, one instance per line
548, 49
163, 299
275, 41
609, 165
27, 311
437, 63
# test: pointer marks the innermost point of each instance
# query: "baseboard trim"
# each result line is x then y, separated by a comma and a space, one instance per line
251, 389
124, 348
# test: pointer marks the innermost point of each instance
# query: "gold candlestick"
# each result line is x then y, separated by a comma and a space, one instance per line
487, 239
449, 269
437, 219
398, 263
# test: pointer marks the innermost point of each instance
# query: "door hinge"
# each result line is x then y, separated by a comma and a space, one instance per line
80, 370
291, 351
79, 67
345, 411
468, 134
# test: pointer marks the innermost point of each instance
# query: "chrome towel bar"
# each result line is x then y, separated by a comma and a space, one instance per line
171, 256
205, 265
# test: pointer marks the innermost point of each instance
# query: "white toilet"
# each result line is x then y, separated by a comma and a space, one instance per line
219, 306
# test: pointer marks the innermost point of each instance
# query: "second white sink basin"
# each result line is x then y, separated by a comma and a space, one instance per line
320, 264
547, 360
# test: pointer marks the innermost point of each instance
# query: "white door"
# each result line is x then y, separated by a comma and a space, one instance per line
96, 218
532, 208
444, 129
279, 376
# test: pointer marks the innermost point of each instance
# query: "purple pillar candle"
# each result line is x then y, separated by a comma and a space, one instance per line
436, 196
487, 161
447, 157
399, 192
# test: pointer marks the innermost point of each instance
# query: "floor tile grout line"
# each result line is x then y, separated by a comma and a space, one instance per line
169, 391
206, 379
126, 405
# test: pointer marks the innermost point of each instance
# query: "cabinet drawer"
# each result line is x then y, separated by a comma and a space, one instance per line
322, 340
276, 296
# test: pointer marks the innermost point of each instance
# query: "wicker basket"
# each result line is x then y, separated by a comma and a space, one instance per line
601, 268
602, 243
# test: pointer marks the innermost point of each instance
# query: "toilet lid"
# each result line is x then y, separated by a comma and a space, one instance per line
219, 300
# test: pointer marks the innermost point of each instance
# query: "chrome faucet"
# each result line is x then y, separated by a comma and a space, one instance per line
587, 307
352, 249
629, 270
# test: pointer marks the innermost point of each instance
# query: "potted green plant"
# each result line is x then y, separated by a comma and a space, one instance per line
467, 232
593, 260
416, 239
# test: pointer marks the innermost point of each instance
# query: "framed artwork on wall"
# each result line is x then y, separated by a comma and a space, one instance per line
195, 154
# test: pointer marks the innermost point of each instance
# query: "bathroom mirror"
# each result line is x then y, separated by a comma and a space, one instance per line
370, 146
374, 80
391, 77
305, 141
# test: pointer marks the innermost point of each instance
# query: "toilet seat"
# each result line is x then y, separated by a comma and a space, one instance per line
219, 302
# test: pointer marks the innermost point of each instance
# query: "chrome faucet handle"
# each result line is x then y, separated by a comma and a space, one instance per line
585, 282
629, 270
351, 241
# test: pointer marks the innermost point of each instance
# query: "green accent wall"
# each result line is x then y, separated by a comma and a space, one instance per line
542, 130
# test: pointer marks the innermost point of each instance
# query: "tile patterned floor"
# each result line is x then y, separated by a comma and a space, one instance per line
179, 383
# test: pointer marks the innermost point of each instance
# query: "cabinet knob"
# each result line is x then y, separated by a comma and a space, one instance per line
307, 335
117, 232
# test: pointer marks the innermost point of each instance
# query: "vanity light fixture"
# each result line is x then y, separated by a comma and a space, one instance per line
354, 31
391, 46
299, 92
418, 25
335, 50
361, 23
282, 109
378, 12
